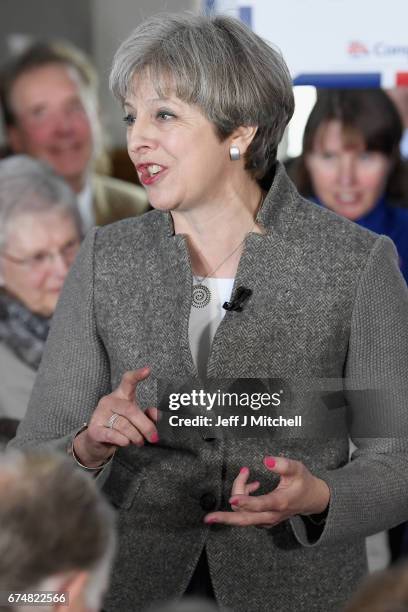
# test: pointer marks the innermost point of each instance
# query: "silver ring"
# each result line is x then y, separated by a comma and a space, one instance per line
112, 420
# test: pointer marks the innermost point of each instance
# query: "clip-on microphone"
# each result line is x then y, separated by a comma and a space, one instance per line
242, 294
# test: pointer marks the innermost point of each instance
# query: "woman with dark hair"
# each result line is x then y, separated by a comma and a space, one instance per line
233, 281
351, 162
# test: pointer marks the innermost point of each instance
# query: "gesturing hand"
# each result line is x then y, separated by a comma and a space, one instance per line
117, 420
298, 492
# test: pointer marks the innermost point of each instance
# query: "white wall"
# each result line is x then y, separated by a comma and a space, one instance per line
112, 22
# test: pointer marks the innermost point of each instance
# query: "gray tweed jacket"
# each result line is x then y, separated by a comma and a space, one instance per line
329, 311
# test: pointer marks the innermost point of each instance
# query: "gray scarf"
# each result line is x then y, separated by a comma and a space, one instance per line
22, 331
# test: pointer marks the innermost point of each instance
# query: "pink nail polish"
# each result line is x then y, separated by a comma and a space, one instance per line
234, 501
243, 470
154, 438
210, 520
269, 462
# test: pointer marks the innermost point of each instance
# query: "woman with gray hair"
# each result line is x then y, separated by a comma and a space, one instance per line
234, 283
39, 238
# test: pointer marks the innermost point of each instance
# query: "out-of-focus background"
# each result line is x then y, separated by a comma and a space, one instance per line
95, 26
308, 26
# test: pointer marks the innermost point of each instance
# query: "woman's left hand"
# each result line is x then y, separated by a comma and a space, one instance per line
298, 492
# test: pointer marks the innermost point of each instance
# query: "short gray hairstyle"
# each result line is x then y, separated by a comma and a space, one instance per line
220, 65
54, 521
28, 186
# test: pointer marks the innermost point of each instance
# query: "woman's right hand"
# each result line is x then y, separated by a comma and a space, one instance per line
98, 442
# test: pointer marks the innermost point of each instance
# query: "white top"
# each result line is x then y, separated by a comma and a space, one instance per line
85, 206
204, 321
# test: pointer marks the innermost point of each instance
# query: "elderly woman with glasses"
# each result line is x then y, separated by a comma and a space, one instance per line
234, 289
39, 238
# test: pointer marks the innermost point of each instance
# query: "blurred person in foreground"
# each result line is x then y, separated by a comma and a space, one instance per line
40, 236
50, 107
385, 591
351, 162
57, 535
231, 279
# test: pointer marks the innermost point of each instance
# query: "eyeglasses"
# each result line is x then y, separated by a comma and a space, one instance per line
45, 259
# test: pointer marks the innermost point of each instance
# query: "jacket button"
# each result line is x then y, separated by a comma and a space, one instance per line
208, 502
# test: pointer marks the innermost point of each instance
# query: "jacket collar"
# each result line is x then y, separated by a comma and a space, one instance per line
278, 209
281, 203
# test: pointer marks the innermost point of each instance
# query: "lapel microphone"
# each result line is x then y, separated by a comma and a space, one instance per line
242, 294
